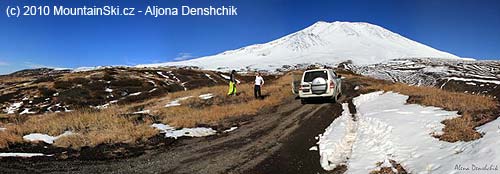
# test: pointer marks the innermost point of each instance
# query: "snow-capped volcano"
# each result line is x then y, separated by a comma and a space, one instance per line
322, 42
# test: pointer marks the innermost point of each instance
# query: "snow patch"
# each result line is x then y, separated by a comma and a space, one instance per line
142, 112
163, 75
439, 69
211, 78
230, 129
171, 132
177, 102
314, 148
152, 90
474, 80
135, 94
228, 78
173, 79
105, 106
152, 82
23, 155
13, 108
225, 76
26, 111
206, 96
44, 137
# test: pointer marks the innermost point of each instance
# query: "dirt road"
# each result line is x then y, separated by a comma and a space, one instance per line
277, 141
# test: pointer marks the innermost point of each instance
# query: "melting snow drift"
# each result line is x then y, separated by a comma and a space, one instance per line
44, 137
26, 155
388, 128
230, 129
206, 96
171, 132
142, 112
177, 102
13, 108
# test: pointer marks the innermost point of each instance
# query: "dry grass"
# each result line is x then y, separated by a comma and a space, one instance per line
10, 79
7, 138
223, 106
388, 170
430, 96
460, 129
91, 128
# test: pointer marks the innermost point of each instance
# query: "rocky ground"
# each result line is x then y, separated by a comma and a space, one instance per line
474, 77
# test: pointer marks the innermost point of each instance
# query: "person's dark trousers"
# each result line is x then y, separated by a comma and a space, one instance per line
256, 91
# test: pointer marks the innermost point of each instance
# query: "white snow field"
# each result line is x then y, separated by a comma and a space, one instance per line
388, 128
322, 42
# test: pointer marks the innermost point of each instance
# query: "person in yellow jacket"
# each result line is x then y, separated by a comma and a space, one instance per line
232, 84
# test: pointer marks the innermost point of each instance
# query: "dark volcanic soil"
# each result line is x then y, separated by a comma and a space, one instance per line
294, 156
267, 143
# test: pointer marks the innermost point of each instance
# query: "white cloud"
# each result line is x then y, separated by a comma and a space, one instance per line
183, 56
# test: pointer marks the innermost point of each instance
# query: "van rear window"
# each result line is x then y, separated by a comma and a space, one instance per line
310, 76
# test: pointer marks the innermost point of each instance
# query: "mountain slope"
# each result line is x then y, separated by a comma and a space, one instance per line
322, 42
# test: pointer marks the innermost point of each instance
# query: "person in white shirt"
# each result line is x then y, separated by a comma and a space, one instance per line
259, 82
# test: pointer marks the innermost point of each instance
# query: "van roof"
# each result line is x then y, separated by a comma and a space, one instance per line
323, 69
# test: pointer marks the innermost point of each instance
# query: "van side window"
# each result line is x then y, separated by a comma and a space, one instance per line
310, 76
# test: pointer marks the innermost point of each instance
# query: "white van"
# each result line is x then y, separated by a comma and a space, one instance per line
320, 83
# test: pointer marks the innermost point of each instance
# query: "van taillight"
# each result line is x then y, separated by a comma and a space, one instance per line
332, 85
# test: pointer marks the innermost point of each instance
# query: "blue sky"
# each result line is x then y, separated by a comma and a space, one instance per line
466, 28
